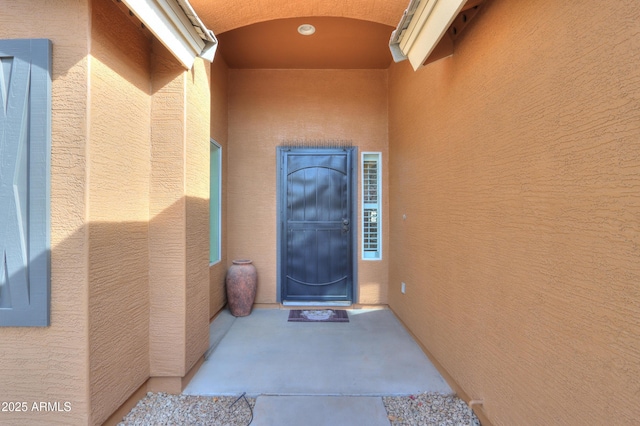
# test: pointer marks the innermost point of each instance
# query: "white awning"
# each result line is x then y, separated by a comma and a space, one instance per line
178, 27
421, 27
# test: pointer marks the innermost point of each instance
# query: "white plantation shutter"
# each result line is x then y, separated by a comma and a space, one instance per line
371, 206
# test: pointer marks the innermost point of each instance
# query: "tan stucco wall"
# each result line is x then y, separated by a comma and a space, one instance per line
119, 167
179, 243
268, 108
167, 232
96, 352
197, 149
516, 163
219, 132
49, 364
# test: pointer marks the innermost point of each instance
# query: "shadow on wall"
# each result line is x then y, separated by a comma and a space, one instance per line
139, 322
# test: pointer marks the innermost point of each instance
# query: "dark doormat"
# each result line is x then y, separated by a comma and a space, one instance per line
318, 315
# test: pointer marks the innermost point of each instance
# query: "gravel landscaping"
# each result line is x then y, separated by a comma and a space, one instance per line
163, 409
429, 409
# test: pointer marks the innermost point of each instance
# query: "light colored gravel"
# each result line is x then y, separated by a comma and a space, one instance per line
165, 409
429, 409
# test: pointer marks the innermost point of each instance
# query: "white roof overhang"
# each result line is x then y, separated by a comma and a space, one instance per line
421, 28
177, 27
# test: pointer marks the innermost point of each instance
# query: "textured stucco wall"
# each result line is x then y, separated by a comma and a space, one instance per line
49, 364
198, 116
119, 153
218, 16
167, 232
96, 352
179, 236
269, 107
219, 132
517, 164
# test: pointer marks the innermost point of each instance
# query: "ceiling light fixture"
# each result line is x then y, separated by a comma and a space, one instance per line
306, 29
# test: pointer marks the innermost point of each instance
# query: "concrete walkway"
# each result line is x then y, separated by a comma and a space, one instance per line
315, 373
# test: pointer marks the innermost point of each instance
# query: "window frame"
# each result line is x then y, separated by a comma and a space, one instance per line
367, 254
218, 198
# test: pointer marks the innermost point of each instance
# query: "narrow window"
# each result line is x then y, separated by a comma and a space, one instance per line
371, 206
215, 196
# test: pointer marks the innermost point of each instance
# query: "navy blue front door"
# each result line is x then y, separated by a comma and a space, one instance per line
316, 225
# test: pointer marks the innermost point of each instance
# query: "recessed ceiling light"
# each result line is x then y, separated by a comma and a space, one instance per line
306, 29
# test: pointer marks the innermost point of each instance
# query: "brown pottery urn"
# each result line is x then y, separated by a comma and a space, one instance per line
242, 280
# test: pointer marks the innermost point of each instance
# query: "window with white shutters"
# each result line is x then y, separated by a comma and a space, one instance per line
371, 206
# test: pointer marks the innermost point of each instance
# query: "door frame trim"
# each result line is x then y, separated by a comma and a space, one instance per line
280, 200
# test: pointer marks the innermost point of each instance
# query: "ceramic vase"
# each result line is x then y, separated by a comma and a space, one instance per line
241, 283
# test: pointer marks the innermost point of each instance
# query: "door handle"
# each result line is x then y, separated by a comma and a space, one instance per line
345, 221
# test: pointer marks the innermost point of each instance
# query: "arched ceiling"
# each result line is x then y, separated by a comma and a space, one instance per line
224, 15
338, 43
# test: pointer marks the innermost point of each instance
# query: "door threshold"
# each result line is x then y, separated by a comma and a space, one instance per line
324, 303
